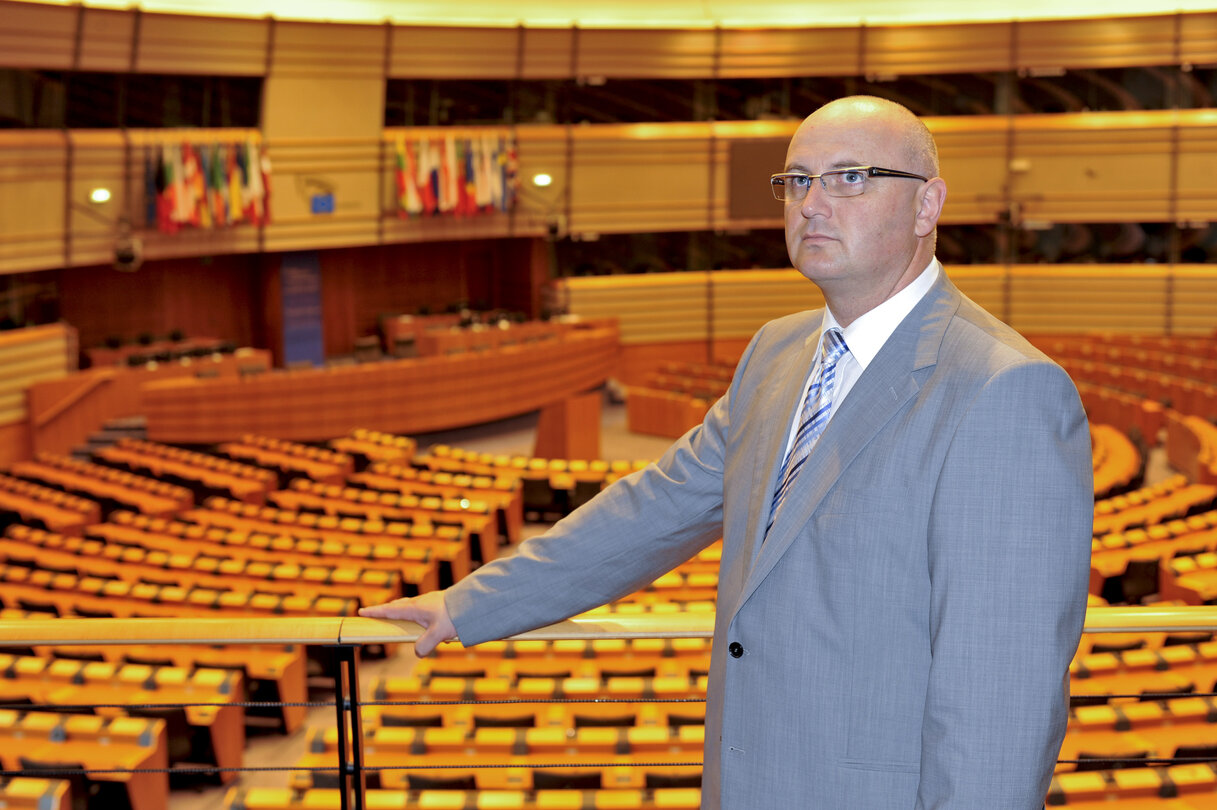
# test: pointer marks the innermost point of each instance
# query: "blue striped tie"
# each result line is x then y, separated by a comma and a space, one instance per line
816, 410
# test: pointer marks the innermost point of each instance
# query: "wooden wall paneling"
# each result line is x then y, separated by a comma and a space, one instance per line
640, 177
1093, 167
763, 136
344, 275
395, 229
973, 161
63, 412
1198, 38
32, 187
662, 307
474, 388
323, 112
98, 160
547, 53
1096, 43
213, 46
1113, 298
1196, 192
107, 40
652, 54
638, 360
327, 51
492, 268
543, 149
14, 443
28, 356
895, 50
744, 300
204, 297
986, 285
323, 115
362, 285
266, 306
452, 52
767, 52
347, 167
1194, 300
37, 36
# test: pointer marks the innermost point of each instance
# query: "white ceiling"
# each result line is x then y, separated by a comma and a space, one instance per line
656, 13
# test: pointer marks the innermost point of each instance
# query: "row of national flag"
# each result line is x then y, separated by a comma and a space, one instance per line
456, 176
211, 185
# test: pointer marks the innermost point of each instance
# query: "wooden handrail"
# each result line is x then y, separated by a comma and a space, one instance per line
96, 380
355, 630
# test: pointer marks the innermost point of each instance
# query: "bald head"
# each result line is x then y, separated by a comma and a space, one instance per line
863, 248
898, 120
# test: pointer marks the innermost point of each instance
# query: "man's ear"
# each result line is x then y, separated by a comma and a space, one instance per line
930, 199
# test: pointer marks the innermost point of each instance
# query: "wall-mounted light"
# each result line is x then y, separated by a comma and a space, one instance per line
99, 195
542, 180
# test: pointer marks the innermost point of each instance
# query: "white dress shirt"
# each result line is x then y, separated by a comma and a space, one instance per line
864, 337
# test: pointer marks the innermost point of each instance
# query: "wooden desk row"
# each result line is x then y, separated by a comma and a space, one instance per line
1174, 504
474, 517
203, 474
57, 510
409, 396
257, 798
659, 412
31, 793
161, 349
103, 484
1139, 497
290, 459
193, 570
64, 412
371, 446
551, 486
1111, 554
1163, 354
505, 494
1190, 786
605, 755
1117, 462
32, 739
449, 545
69, 594
212, 696
413, 567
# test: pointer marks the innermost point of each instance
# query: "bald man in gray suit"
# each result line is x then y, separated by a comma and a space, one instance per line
903, 488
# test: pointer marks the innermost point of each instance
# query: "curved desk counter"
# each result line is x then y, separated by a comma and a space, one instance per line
415, 395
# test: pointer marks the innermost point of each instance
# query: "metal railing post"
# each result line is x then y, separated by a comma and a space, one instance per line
346, 703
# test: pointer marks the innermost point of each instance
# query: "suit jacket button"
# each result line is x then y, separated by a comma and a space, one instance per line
736, 649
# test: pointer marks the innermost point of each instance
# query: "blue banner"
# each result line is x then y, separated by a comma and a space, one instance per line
300, 284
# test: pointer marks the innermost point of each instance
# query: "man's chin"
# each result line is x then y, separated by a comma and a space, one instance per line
816, 271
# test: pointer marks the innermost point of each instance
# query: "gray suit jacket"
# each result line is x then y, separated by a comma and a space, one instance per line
908, 624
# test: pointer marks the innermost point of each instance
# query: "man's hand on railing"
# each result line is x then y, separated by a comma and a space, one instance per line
427, 609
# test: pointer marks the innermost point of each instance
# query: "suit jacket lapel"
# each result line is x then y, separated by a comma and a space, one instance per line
883, 389
784, 396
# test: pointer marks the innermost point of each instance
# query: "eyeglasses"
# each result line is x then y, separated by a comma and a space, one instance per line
793, 186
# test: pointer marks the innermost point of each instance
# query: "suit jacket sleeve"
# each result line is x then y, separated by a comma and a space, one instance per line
1009, 551
640, 527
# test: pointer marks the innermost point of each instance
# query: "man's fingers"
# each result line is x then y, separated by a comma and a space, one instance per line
427, 610
399, 609
427, 642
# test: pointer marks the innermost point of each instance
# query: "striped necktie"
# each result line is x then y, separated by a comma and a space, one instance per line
816, 409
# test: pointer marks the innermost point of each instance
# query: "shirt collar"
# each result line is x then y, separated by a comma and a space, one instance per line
867, 334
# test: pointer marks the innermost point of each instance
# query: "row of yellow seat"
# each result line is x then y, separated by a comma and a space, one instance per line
52, 508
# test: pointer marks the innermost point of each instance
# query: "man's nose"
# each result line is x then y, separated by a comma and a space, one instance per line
816, 201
